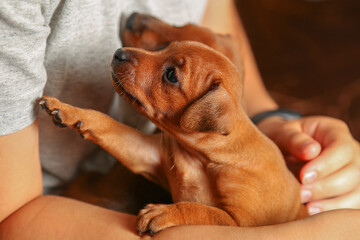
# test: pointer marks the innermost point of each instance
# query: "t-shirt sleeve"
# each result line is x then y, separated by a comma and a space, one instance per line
23, 35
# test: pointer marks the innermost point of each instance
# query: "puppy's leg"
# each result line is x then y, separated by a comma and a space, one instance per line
156, 217
137, 151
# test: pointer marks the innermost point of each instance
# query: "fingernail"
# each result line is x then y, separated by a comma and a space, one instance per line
306, 144
309, 150
309, 177
314, 210
305, 195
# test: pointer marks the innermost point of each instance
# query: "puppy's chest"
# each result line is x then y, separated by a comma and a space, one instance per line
187, 177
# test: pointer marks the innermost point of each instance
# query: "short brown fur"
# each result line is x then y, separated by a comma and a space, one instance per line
218, 167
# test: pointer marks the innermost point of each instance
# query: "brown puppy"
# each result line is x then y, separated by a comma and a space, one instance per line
120, 189
218, 167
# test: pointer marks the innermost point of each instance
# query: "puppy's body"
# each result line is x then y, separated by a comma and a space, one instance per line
242, 176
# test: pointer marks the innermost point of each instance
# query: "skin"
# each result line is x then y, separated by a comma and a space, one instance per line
25, 214
331, 174
317, 227
52, 217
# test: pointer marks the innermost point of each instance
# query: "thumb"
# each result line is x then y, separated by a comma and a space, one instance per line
291, 140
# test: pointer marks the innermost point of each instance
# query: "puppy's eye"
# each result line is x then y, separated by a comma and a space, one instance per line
170, 75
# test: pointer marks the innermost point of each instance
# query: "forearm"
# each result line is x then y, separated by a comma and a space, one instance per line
52, 217
25, 214
340, 224
20, 171
222, 17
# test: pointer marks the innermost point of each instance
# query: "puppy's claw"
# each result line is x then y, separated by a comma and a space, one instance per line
151, 232
43, 106
56, 111
59, 124
57, 118
78, 125
42, 103
140, 233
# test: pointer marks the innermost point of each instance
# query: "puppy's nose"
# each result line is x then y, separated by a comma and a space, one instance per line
131, 21
120, 56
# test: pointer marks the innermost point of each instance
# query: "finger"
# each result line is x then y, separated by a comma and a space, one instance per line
350, 200
299, 144
339, 183
333, 158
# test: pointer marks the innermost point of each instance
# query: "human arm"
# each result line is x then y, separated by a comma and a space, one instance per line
53, 217
339, 224
25, 214
222, 17
20, 173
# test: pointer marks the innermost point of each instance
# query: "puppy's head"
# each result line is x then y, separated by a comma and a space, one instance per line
186, 87
145, 31
150, 33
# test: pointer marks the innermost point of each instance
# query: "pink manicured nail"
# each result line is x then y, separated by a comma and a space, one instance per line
305, 195
314, 210
306, 144
309, 143
309, 177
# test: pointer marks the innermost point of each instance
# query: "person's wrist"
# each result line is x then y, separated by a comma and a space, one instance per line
280, 112
271, 125
271, 121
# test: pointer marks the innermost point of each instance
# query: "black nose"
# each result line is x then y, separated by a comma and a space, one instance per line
120, 56
131, 21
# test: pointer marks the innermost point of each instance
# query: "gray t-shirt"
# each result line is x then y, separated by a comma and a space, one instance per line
63, 49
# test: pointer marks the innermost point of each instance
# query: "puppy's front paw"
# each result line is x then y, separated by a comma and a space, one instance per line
156, 217
63, 115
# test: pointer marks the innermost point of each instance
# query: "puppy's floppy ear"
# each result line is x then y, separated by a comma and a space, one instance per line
209, 113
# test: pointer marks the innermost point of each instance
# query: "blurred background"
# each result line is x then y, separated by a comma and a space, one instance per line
308, 53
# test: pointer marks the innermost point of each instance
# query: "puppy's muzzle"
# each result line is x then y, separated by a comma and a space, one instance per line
121, 57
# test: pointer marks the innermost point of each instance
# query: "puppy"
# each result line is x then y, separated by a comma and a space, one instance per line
218, 167
119, 189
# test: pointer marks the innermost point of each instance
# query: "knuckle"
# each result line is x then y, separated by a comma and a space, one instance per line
352, 200
348, 151
293, 137
292, 124
341, 125
357, 175
325, 188
319, 191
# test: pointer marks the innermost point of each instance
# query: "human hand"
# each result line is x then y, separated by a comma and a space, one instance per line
331, 175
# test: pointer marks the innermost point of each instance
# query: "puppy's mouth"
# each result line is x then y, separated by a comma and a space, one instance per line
128, 96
